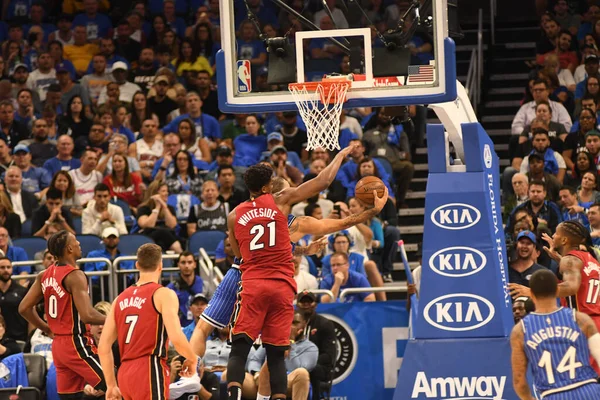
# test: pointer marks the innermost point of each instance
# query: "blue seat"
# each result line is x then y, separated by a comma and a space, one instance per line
31, 245
127, 214
77, 225
89, 243
129, 244
26, 228
208, 240
387, 166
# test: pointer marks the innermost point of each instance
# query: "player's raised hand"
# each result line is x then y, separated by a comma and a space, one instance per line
345, 152
550, 248
379, 202
113, 393
316, 246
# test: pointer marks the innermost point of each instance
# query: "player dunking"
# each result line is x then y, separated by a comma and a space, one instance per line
140, 319
64, 289
555, 342
220, 308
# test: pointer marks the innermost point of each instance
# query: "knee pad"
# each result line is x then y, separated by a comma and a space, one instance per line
236, 366
276, 364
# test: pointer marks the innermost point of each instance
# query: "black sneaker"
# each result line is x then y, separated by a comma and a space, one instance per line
387, 278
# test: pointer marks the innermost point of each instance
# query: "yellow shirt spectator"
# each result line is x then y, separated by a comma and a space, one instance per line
80, 56
76, 6
200, 64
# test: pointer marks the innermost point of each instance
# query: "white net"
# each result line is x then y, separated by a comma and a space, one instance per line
320, 108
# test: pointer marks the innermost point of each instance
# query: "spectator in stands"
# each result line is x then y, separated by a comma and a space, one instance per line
321, 332
13, 253
160, 104
123, 184
166, 166
63, 182
198, 304
125, 46
527, 111
64, 160
107, 48
6, 159
585, 163
347, 173
101, 214
568, 59
281, 168
321, 48
75, 122
537, 172
275, 139
199, 148
248, 47
236, 127
10, 130
588, 193
549, 39
366, 167
97, 25
63, 34
251, 145
35, 180
139, 113
184, 180
52, 212
554, 163
189, 59
95, 81
144, 74
566, 19
40, 148
547, 212
211, 214
157, 219
148, 149
342, 278
86, 177
187, 285
110, 239
224, 156
70, 89
228, 193
520, 185
575, 141
11, 294
543, 119
593, 215
20, 76
294, 138
80, 53
40, 79
126, 89
206, 125
591, 64
571, 210
8, 219
56, 50
117, 145
521, 269
24, 113
23, 202
301, 360
208, 94
304, 280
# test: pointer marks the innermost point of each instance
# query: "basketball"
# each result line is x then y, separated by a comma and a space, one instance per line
364, 189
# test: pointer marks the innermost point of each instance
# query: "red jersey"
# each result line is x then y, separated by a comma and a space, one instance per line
261, 230
140, 328
130, 194
61, 313
586, 300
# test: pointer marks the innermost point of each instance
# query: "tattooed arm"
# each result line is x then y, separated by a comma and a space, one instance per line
570, 268
519, 363
314, 248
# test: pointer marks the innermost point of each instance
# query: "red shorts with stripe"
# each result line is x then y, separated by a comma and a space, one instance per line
264, 307
145, 378
77, 364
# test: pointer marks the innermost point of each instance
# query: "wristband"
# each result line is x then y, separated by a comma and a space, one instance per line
162, 168
47, 223
155, 211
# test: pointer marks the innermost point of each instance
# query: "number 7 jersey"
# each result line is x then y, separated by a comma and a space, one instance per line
262, 232
586, 300
140, 328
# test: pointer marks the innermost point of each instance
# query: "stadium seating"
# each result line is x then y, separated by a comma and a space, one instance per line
31, 245
129, 244
89, 243
208, 240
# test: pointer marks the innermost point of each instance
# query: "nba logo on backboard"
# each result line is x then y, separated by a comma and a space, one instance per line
244, 78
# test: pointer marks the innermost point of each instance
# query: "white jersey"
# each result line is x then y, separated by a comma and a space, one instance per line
39, 82
64, 43
85, 184
148, 154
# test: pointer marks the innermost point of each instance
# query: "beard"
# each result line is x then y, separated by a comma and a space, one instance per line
4, 278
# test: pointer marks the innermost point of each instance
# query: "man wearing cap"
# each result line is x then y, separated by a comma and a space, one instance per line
526, 113
186, 286
275, 139
39, 79
94, 82
161, 104
40, 147
224, 157
126, 89
100, 214
80, 53
554, 162
580, 73
278, 159
206, 125
524, 265
35, 179
197, 306
321, 332
537, 172
110, 239
591, 65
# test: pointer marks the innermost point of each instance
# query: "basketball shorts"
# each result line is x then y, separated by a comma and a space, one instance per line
589, 391
264, 307
77, 364
145, 378
220, 307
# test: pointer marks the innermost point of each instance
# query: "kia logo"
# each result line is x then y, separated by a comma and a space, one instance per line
458, 261
455, 216
459, 312
487, 156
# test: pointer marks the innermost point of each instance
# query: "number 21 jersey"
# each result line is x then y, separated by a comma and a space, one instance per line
140, 328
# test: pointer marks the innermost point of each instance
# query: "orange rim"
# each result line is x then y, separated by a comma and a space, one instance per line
327, 85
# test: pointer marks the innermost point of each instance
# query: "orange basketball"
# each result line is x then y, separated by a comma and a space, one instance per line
364, 189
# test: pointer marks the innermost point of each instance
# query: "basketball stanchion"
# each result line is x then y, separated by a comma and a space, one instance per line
414, 300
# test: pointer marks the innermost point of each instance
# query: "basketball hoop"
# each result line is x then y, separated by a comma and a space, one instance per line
320, 106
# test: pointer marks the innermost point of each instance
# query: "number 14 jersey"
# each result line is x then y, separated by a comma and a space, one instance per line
140, 328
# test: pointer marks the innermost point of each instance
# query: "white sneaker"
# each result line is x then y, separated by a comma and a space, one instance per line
183, 386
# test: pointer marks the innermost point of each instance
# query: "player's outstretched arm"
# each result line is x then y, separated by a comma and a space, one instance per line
519, 364
310, 226
167, 304
107, 361
570, 268
76, 284
590, 331
27, 306
314, 186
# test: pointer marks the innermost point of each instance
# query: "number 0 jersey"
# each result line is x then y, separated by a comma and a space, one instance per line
557, 351
61, 313
261, 230
140, 328
586, 300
